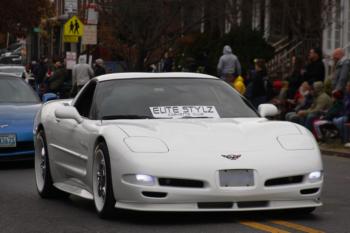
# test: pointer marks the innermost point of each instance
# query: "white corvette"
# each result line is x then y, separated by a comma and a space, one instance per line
173, 142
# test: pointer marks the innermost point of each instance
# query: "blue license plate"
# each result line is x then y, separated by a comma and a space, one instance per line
8, 140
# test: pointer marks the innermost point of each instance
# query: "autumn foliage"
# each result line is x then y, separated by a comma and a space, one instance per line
19, 16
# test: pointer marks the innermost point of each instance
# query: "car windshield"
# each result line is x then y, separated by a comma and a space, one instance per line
15, 90
168, 98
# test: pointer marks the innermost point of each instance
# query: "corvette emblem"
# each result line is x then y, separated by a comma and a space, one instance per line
3, 126
232, 156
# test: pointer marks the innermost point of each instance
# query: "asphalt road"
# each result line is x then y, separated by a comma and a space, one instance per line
23, 211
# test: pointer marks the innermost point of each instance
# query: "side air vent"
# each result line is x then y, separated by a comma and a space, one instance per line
184, 183
215, 205
154, 194
284, 181
309, 191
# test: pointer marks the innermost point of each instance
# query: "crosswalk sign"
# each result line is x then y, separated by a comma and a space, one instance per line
73, 27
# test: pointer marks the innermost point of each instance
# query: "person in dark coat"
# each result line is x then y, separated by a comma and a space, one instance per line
259, 84
295, 79
315, 70
99, 68
56, 81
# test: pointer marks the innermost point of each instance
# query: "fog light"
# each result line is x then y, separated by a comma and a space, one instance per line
315, 176
140, 179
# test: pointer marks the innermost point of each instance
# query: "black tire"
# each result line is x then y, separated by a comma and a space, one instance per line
45, 186
106, 209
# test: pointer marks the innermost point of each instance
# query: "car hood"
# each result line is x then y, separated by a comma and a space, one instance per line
242, 134
17, 115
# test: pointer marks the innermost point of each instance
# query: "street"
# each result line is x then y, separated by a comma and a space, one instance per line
23, 211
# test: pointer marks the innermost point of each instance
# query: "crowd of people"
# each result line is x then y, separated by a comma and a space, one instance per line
306, 96
54, 77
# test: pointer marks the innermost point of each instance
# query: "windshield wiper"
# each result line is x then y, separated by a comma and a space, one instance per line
113, 117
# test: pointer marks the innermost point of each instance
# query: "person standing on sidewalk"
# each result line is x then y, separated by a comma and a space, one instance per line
99, 68
341, 75
81, 74
314, 70
229, 66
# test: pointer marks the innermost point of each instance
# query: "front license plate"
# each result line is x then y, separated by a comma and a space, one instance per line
8, 140
236, 178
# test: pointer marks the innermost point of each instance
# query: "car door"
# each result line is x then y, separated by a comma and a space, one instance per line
76, 138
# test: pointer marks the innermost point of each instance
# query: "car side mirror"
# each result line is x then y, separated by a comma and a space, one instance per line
68, 112
267, 110
49, 96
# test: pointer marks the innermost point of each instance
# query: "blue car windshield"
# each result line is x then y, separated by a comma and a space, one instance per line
147, 98
15, 90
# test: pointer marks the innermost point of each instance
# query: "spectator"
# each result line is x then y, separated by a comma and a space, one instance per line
341, 70
321, 103
335, 111
238, 84
295, 79
56, 81
340, 121
99, 68
81, 74
228, 66
39, 72
260, 85
315, 70
168, 61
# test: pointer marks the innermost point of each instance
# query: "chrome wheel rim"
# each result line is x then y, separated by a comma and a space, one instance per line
40, 163
99, 179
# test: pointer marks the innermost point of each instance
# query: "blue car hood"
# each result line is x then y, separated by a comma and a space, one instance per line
18, 119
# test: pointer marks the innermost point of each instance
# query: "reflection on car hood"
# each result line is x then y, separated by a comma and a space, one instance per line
18, 112
243, 134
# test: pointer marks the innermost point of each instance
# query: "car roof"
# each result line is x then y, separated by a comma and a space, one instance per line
114, 76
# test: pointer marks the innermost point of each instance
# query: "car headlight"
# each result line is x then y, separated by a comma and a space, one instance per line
315, 176
140, 179
296, 142
146, 145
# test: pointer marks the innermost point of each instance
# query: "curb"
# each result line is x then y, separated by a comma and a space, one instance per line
335, 153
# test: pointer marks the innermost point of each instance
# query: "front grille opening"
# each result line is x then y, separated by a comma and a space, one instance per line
184, 183
154, 194
215, 205
252, 204
284, 181
309, 191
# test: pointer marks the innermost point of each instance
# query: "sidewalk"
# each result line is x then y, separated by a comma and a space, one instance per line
335, 148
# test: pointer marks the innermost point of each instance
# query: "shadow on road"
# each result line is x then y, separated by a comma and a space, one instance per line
13, 165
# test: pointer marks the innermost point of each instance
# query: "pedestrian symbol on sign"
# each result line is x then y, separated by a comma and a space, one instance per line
73, 27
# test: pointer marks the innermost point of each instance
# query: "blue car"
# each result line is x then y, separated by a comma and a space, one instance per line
18, 106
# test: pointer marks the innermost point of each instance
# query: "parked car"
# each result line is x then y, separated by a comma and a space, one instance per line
173, 142
19, 71
18, 106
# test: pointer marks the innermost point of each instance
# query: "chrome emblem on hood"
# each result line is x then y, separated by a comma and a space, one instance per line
232, 156
3, 126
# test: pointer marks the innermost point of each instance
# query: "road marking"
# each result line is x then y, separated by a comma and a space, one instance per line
262, 227
297, 227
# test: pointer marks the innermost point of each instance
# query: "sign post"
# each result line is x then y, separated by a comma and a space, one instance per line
73, 29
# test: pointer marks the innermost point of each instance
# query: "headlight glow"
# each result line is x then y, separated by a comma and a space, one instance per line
315, 176
140, 179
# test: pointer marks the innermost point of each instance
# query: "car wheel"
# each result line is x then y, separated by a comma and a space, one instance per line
102, 183
43, 177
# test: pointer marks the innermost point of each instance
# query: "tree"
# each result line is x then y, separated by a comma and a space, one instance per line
18, 16
145, 29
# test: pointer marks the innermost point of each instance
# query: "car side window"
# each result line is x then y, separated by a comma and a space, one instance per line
84, 102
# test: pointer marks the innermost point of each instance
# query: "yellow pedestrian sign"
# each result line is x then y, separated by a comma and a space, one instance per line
73, 27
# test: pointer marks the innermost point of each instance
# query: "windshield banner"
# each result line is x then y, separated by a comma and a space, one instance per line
190, 111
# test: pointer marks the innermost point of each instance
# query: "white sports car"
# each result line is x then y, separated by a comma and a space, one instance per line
173, 142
